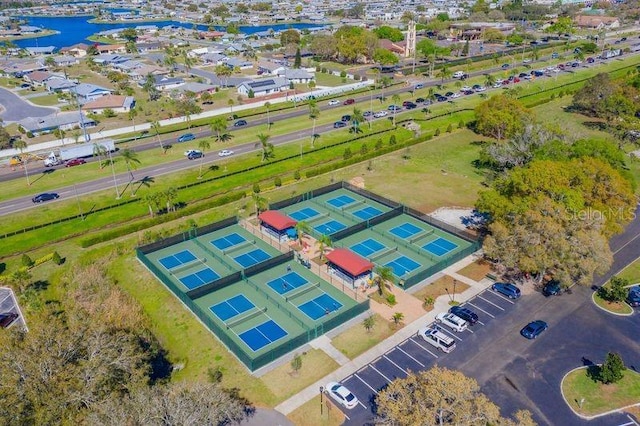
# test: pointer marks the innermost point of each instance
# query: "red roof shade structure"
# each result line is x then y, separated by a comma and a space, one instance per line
276, 220
349, 262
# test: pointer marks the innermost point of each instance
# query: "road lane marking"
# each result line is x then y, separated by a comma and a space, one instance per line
480, 309
391, 361
366, 384
409, 355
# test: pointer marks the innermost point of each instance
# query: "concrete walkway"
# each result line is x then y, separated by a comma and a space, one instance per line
324, 343
350, 367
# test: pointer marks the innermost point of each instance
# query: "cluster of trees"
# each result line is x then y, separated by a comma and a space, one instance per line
90, 358
440, 396
554, 202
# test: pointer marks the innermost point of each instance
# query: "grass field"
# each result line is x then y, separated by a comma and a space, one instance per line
310, 413
615, 307
48, 100
631, 272
440, 287
357, 340
600, 398
476, 270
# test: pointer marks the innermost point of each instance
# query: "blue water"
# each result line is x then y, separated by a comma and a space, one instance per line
76, 29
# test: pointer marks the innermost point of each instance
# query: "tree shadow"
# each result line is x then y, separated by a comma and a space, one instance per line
595, 125
3, 267
593, 372
39, 285
43, 174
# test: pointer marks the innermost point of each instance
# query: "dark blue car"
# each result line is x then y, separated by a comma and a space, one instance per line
465, 313
633, 298
506, 289
533, 329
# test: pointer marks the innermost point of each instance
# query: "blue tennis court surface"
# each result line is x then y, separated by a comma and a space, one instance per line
405, 230
251, 258
367, 247
232, 307
262, 335
402, 265
330, 227
340, 201
366, 213
199, 278
303, 214
228, 241
180, 258
286, 283
320, 306
440, 246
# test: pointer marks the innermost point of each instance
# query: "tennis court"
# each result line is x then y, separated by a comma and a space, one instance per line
406, 230
440, 246
251, 258
287, 282
232, 307
402, 265
367, 247
262, 335
329, 227
228, 241
366, 213
341, 201
320, 306
199, 278
303, 214
180, 258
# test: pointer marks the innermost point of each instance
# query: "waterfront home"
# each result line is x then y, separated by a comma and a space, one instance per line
29, 29
263, 87
79, 50
38, 51
63, 121
87, 92
111, 48
115, 103
296, 75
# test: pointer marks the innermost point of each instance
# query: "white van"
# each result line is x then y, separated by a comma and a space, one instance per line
452, 321
437, 338
458, 74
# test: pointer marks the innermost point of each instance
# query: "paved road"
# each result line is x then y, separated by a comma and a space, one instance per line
514, 372
16, 108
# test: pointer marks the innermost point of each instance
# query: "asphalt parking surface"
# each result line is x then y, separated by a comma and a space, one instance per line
16, 108
512, 371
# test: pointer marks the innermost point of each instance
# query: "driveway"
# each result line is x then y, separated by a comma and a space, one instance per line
15, 108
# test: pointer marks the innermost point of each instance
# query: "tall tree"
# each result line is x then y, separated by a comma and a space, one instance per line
501, 117
203, 144
131, 160
155, 125
219, 128
266, 146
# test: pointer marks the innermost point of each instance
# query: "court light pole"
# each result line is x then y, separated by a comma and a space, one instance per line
113, 172
321, 392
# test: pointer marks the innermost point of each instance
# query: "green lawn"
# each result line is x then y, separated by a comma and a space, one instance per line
47, 100
631, 272
600, 398
317, 413
615, 307
357, 340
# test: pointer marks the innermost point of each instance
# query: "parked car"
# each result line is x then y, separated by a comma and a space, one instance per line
552, 288
452, 321
533, 329
195, 154
349, 101
633, 298
465, 313
46, 196
504, 66
437, 338
75, 162
410, 105
458, 74
339, 124
506, 289
225, 153
394, 108
334, 102
191, 151
367, 113
341, 395
590, 60
420, 100
481, 89
379, 114
240, 123
554, 55
7, 318
186, 137
466, 89
346, 118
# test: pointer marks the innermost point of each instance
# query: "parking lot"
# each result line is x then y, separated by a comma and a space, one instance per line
414, 354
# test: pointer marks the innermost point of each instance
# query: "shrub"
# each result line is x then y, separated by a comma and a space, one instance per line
251, 94
56, 258
256, 188
347, 154
323, 70
461, 124
296, 175
318, 69
615, 291
277, 181
364, 149
378, 144
26, 261
392, 140
391, 299
613, 369
449, 128
437, 132
356, 77
343, 73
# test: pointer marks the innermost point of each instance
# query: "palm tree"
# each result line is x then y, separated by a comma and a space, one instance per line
302, 228
357, 117
314, 113
384, 82
155, 125
203, 145
396, 101
444, 73
132, 115
152, 201
60, 134
219, 127
230, 102
99, 150
22, 145
267, 105
489, 80
324, 242
397, 318
223, 71
188, 62
267, 147
259, 202
169, 196
384, 276
170, 61
130, 158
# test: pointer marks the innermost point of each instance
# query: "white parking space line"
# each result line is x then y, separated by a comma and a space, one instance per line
423, 348
366, 384
400, 368
481, 323
480, 309
469, 330
491, 303
404, 352
506, 299
449, 332
380, 373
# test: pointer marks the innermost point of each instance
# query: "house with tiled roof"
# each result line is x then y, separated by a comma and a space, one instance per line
111, 48
116, 103
78, 50
597, 22
37, 78
269, 68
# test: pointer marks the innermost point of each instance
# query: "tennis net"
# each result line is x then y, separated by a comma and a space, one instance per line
383, 253
302, 292
210, 252
316, 218
246, 317
421, 235
352, 205
186, 266
237, 247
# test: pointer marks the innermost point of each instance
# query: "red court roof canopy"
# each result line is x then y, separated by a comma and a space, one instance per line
277, 220
349, 261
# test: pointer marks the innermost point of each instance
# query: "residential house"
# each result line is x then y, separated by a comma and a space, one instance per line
148, 46
116, 103
242, 64
263, 87
37, 78
269, 68
65, 60
18, 69
197, 88
597, 22
296, 75
142, 72
37, 51
79, 50
60, 85
87, 92
109, 59
64, 121
164, 82
111, 48
214, 58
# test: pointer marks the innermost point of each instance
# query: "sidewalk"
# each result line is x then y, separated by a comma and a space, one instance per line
441, 304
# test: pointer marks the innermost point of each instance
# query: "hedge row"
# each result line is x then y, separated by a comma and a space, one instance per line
144, 224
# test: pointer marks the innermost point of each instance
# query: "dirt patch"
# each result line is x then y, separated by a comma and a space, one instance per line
439, 288
477, 270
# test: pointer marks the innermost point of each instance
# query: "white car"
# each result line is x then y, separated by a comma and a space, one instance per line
334, 102
496, 85
380, 114
526, 61
481, 89
455, 95
452, 321
466, 89
225, 153
458, 74
342, 395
